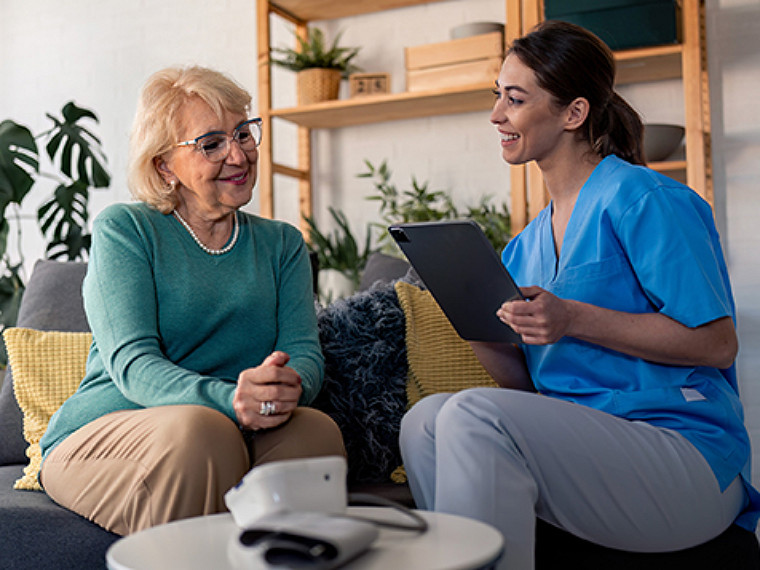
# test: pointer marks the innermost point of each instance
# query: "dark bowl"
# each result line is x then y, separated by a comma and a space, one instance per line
660, 141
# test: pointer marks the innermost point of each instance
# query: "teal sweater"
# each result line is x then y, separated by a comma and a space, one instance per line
174, 325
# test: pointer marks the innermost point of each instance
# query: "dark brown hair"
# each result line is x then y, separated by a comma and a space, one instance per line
571, 62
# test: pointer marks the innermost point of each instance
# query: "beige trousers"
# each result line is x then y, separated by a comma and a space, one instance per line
134, 469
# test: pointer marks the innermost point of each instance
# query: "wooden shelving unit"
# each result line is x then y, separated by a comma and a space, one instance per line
686, 60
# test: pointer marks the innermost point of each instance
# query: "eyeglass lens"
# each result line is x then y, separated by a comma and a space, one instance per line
216, 146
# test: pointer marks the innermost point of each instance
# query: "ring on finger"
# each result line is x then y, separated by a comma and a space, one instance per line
268, 408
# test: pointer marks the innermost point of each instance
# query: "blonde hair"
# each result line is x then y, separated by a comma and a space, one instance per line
156, 126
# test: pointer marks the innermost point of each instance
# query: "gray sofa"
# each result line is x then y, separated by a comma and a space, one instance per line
364, 395
34, 531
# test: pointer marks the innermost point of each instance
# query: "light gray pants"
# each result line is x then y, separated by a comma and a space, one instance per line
505, 457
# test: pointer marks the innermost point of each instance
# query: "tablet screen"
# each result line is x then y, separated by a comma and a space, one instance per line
464, 274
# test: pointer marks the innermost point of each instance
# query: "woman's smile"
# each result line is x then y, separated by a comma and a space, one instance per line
507, 139
238, 179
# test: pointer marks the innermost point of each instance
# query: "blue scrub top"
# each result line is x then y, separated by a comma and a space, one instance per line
639, 242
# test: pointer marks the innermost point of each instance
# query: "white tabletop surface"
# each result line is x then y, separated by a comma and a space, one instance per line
210, 542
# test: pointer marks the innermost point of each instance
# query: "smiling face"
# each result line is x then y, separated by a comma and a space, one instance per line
529, 123
207, 189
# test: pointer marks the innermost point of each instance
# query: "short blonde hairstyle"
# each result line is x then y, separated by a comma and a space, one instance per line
156, 126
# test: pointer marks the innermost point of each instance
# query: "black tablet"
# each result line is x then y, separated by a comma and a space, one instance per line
464, 274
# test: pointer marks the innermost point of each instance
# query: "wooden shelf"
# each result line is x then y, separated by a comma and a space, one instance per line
650, 64
392, 107
306, 10
668, 166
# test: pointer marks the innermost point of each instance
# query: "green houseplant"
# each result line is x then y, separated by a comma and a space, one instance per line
81, 165
338, 252
319, 65
420, 204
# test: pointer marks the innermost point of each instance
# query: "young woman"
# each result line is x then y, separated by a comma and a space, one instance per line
635, 439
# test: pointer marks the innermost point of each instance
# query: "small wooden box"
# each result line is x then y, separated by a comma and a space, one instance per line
475, 59
363, 84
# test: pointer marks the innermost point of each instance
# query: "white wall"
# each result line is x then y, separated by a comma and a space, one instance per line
99, 53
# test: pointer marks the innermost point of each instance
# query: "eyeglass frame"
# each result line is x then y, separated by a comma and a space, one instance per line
229, 138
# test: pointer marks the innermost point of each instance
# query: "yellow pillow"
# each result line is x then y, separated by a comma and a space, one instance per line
47, 368
439, 360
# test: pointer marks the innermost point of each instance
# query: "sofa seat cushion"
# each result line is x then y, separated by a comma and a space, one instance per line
44, 535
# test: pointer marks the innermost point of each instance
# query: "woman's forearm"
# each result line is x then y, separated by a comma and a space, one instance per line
505, 363
655, 337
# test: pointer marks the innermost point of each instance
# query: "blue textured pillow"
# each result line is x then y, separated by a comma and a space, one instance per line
365, 379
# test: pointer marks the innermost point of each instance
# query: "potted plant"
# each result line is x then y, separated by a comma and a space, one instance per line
340, 260
319, 67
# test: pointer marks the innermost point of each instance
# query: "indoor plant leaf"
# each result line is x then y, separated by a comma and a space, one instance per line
63, 219
81, 157
312, 52
17, 148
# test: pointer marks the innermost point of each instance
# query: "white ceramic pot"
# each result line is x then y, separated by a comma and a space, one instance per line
334, 284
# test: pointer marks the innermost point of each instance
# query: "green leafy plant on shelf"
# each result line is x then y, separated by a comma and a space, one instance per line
314, 52
420, 204
63, 219
339, 249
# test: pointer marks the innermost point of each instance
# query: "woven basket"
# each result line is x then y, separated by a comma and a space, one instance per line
315, 85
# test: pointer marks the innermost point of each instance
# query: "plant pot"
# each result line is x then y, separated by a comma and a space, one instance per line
317, 84
333, 285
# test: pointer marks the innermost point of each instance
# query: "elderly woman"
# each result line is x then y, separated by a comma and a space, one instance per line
205, 346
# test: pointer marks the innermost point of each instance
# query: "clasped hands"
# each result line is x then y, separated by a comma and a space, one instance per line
542, 318
266, 395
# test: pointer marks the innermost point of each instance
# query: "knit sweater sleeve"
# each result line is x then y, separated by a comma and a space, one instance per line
296, 314
121, 303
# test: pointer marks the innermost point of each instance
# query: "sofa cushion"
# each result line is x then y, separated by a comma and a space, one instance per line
52, 301
382, 268
439, 360
48, 366
364, 388
38, 534
12, 444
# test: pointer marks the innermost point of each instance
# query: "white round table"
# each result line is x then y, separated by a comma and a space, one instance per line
451, 542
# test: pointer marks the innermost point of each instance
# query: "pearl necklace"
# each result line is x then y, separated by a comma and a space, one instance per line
203, 246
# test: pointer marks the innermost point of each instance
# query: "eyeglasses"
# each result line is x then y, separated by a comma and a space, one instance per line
215, 146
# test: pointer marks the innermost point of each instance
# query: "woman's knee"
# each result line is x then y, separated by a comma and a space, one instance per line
198, 429
195, 437
419, 422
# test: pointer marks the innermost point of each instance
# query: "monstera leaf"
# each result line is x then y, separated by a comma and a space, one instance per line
63, 219
17, 148
80, 157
